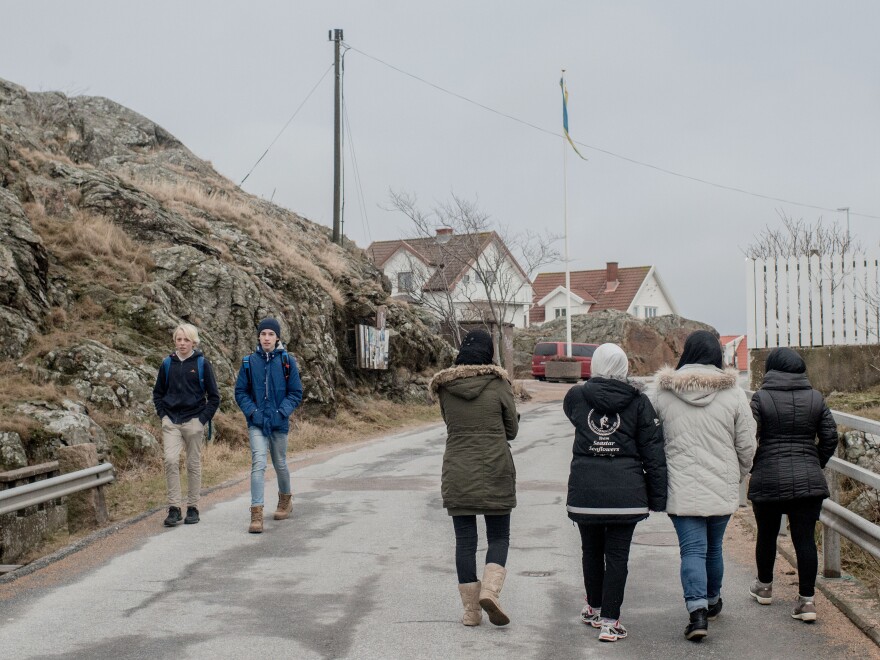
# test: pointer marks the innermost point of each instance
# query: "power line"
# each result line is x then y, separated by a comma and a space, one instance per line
284, 128
357, 173
634, 161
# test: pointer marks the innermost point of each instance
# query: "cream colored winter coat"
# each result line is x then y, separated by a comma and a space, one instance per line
710, 438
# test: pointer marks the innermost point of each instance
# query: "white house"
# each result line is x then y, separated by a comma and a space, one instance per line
638, 291
471, 276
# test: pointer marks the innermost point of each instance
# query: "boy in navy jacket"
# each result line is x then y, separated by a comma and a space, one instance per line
268, 390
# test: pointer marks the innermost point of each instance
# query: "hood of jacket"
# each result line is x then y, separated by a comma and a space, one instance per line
783, 380
467, 381
608, 395
696, 384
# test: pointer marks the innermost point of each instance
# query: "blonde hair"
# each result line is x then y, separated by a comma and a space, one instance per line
189, 331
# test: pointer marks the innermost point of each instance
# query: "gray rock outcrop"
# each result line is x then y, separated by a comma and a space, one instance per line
112, 233
649, 343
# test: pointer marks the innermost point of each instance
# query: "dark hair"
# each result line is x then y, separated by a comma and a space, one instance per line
476, 348
701, 347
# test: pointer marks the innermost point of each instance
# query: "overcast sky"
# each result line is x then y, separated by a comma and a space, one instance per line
776, 98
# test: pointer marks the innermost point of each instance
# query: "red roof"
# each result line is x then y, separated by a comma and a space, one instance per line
450, 260
742, 351
593, 284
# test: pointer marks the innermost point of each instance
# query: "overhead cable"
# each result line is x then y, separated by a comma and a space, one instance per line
634, 161
295, 112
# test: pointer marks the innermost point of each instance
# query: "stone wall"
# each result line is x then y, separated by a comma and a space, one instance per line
830, 368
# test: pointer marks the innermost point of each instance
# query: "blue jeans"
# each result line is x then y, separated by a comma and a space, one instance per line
277, 446
702, 564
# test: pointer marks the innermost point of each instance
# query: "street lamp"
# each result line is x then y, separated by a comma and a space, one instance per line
846, 208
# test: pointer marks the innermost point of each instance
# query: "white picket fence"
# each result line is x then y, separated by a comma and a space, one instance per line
813, 301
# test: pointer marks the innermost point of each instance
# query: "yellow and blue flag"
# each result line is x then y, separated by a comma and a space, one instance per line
565, 116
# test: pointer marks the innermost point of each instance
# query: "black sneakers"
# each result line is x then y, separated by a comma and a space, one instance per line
698, 628
715, 610
192, 516
174, 516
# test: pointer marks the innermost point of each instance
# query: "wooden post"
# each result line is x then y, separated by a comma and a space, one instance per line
830, 538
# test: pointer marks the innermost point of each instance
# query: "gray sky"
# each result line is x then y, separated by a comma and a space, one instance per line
777, 98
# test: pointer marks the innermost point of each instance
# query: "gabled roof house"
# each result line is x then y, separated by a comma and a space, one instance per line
459, 269
636, 290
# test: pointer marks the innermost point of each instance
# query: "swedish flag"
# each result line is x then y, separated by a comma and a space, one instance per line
565, 116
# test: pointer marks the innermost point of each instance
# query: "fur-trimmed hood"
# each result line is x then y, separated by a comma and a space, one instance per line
696, 383
467, 390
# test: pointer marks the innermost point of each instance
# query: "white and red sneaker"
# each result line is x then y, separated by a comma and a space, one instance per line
590, 616
611, 631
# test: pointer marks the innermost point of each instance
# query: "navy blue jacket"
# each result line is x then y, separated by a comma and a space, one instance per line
179, 394
618, 466
271, 399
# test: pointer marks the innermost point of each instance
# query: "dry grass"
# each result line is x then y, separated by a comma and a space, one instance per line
273, 236
92, 246
865, 403
218, 203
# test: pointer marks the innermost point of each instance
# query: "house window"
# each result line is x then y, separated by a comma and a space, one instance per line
636, 311
560, 312
466, 279
487, 278
650, 312
404, 281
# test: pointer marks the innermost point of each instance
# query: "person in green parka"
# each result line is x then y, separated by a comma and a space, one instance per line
479, 478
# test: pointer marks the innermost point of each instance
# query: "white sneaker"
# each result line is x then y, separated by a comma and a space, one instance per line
611, 631
591, 617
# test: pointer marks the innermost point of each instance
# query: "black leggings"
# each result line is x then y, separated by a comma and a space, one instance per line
605, 558
498, 535
802, 516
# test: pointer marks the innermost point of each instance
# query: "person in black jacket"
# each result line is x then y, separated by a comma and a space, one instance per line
787, 473
186, 398
618, 474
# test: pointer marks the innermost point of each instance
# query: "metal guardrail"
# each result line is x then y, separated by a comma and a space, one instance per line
21, 497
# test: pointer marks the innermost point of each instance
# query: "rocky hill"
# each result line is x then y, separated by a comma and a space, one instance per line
649, 343
111, 233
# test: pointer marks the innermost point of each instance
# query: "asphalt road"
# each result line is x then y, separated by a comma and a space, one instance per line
364, 569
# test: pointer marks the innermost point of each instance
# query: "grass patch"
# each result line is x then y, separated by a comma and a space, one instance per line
92, 247
865, 403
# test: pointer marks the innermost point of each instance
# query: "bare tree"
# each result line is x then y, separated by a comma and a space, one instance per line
474, 271
798, 238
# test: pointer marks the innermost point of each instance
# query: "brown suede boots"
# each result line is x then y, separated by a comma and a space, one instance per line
285, 506
256, 520
470, 598
493, 580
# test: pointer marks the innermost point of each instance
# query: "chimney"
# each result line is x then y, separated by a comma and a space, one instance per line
611, 281
443, 235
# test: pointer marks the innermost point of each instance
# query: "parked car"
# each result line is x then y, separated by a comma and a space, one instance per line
545, 350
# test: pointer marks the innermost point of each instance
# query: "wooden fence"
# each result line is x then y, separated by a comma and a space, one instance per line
813, 301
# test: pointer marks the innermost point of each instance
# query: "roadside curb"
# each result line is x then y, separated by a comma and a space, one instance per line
848, 595
99, 535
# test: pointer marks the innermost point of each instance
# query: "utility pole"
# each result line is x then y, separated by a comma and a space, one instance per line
336, 36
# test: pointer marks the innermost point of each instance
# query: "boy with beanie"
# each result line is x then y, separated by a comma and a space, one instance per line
268, 390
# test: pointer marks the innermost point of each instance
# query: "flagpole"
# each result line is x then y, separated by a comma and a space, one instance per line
565, 223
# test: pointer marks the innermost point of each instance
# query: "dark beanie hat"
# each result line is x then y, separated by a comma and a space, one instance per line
787, 360
476, 348
270, 324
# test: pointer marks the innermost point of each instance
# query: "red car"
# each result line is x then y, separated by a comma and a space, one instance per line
545, 350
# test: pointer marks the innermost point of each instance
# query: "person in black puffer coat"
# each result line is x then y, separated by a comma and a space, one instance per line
618, 474
787, 473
